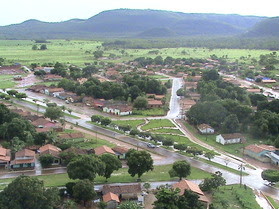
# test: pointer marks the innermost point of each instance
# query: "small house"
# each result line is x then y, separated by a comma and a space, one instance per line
274, 157
188, 185
126, 192
24, 159
259, 152
5, 157
154, 104
111, 199
120, 152
51, 150
229, 138
103, 150
205, 129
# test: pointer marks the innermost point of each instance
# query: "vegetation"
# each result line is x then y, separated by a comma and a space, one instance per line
112, 163
214, 182
132, 123
271, 175
161, 123
46, 160
182, 169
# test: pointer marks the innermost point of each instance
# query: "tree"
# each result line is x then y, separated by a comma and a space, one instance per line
270, 175
12, 92
96, 118
67, 157
167, 198
102, 205
83, 191
139, 162
53, 113
34, 47
112, 163
180, 92
43, 47
129, 205
140, 103
28, 192
181, 169
98, 54
69, 204
85, 167
189, 200
46, 160
21, 95
210, 155
231, 124
105, 121
214, 182
210, 75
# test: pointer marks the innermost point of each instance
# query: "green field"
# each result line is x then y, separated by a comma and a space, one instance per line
132, 123
78, 52
160, 173
157, 124
165, 130
235, 149
7, 81
272, 201
149, 112
234, 197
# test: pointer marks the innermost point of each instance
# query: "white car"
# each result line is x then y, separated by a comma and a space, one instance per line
150, 145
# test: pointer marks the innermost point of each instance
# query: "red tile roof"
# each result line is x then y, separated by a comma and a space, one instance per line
102, 150
120, 149
122, 189
259, 148
25, 153
110, 197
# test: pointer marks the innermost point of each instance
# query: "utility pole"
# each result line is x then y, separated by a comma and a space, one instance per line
241, 168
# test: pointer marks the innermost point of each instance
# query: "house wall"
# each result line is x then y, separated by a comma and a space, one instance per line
258, 156
207, 131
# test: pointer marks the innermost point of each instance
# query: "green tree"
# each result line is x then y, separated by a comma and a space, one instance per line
139, 162
112, 163
189, 200
46, 160
34, 47
83, 191
214, 182
85, 167
231, 124
210, 75
67, 157
96, 118
97, 54
140, 103
180, 92
21, 95
12, 92
167, 198
43, 47
210, 155
69, 204
102, 205
105, 121
129, 205
53, 113
270, 175
182, 169
28, 192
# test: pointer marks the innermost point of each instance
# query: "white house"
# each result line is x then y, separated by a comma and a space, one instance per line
205, 129
229, 138
118, 109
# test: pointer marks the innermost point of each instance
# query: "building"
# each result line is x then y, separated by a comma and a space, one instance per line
229, 138
188, 185
76, 135
120, 110
51, 150
52, 77
23, 159
120, 152
111, 199
43, 123
103, 150
263, 153
255, 91
154, 104
5, 157
205, 129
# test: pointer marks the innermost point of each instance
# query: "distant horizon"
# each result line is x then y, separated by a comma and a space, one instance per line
18, 11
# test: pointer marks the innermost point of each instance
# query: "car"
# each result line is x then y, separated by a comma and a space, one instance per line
150, 145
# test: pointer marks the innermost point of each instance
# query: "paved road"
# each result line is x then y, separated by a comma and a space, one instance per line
174, 100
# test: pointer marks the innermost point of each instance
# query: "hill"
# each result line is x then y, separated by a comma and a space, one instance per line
266, 28
134, 23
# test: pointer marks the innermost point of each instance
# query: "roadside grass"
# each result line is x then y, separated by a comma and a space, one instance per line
234, 197
159, 173
223, 167
7, 81
184, 140
166, 130
273, 203
149, 112
132, 123
160, 123
234, 149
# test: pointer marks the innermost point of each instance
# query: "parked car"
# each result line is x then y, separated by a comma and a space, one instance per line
150, 145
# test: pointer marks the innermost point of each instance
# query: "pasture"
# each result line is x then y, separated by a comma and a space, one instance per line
78, 52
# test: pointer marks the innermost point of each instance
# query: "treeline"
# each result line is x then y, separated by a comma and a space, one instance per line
131, 87
211, 43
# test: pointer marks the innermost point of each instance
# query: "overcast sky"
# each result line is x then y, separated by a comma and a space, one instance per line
16, 11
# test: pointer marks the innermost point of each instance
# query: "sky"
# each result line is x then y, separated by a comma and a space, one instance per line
17, 11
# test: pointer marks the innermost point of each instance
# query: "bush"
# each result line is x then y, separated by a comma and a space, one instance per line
134, 132
168, 142
46, 160
180, 147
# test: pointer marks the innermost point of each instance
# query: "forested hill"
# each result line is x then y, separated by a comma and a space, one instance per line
265, 28
134, 23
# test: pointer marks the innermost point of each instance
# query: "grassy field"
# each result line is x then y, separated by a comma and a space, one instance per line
234, 197
165, 130
158, 124
132, 123
149, 112
272, 201
235, 149
7, 81
78, 52
160, 173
